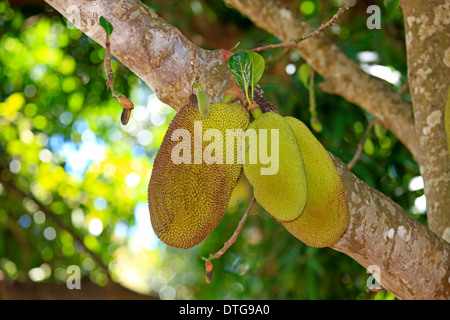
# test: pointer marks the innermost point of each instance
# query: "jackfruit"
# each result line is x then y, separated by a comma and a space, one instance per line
203, 104
280, 185
326, 215
188, 193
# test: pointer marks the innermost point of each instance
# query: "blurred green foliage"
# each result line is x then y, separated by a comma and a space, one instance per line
62, 144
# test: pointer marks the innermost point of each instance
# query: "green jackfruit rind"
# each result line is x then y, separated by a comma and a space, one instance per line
282, 195
326, 215
187, 201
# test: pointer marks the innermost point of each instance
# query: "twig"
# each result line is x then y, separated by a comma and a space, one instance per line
60, 224
312, 96
124, 101
227, 245
233, 238
107, 63
314, 119
355, 158
314, 33
403, 89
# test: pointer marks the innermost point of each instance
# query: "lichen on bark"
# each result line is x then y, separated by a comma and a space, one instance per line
427, 24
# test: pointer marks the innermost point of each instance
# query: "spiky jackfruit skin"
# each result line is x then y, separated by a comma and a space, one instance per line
187, 201
282, 195
326, 215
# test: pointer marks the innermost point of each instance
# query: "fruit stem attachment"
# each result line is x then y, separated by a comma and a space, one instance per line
254, 110
229, 97
126, 104
233, 93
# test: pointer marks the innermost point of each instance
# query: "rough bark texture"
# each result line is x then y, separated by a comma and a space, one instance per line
413, 261
149, 47
427, 29
342, 75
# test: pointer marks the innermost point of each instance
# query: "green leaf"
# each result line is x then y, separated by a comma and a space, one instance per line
247, 68
239, 65
303, 74
106, 25
258, 65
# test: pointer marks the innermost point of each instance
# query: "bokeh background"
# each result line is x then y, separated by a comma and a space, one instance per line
62, 148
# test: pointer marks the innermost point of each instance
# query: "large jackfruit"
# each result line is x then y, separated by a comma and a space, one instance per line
326, 215
188, 200
282, 194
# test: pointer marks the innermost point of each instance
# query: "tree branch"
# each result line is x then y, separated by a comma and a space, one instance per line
342, 75
149, 47
428, 53
413, 261
293, 43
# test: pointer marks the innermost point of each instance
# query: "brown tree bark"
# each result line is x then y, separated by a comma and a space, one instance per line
149, 47
413, 261
427, 29
15, 290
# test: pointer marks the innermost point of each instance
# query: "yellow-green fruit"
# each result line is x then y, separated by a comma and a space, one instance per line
188, 200
326, 215
203, 104
279, 186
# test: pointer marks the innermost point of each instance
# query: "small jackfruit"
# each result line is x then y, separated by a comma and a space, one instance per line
188, 200
326, 215
280, 185
203, 104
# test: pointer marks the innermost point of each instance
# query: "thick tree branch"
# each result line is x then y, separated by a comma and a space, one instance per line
149, 47
413, 261
427, 26
342, 75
